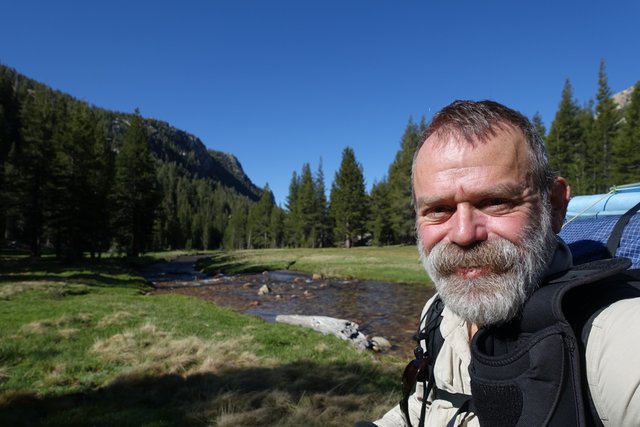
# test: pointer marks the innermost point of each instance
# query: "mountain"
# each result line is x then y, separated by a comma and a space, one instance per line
167, 143
623, 98
170, 144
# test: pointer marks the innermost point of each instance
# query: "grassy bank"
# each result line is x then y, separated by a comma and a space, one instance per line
87, 345
399, 264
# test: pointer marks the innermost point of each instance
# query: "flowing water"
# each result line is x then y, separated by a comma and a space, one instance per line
381, 309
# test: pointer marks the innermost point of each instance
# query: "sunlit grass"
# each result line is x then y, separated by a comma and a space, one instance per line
399, 264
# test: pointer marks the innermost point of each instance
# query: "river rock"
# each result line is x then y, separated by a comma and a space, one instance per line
316, 276
344, 329
379, 344
264, 289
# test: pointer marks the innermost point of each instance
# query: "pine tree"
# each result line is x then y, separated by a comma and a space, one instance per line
626, 156
348, 200
605, 129
381, 214
235, 234
292, 222
566, 140
325, 227
399, 185
9, 134
259, 221
538, 124
135, 195
81, 177
276, 227
308, 208
100, 182
29, 169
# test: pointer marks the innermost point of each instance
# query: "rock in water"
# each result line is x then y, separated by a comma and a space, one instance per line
380, 344
344, 329
264, 289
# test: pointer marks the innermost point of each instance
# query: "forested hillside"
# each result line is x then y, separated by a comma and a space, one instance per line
79, 179
76, 179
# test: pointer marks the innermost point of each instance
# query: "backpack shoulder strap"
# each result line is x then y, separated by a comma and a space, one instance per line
616, 234
429, 331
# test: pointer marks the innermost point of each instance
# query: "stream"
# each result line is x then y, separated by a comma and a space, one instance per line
381, 309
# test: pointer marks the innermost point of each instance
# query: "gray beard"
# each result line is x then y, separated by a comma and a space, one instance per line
516, 270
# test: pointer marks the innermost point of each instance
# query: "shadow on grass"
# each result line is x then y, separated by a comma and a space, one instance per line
264, 396
96, 272
228, 264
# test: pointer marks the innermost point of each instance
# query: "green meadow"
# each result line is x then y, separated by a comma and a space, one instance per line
88, 345
398, 264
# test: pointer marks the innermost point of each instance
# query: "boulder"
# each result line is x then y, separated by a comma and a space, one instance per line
344, 329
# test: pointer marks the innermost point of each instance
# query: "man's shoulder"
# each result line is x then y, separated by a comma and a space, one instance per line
612, 357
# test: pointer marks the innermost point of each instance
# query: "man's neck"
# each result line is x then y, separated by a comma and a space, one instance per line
472, 328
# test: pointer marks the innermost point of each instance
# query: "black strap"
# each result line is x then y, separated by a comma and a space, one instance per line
616, 234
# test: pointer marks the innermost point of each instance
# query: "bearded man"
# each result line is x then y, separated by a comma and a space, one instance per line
488, 207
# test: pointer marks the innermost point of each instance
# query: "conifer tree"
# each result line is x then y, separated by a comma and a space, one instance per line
538, 124
135, 197
308, 209
29, 169
381, 214
71, 213
276, 227
259, 221
605, 128
399, 185
325, 227
235, 234
585, 162
626, 156
292, 219
9, 135
348, 200
566, 140
100, 182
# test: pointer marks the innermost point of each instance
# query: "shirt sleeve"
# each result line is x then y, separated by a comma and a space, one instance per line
613, 363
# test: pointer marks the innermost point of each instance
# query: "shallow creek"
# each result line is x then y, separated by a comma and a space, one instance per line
381, 309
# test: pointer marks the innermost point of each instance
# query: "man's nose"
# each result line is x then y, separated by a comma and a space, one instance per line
467, 226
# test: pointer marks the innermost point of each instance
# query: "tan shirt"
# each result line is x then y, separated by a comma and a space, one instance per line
613, 369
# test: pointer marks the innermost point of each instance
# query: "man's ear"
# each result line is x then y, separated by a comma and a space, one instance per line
560, 193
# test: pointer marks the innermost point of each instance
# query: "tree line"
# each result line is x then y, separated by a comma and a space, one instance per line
71, 185
595, 145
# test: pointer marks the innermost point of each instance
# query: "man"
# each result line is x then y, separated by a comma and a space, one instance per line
488, 208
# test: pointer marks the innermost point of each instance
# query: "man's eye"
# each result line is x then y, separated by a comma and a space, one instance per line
436, 213
497, 204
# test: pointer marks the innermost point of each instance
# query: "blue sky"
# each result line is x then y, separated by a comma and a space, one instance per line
281, 83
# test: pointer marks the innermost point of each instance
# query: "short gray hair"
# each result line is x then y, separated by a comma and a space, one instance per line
481, 120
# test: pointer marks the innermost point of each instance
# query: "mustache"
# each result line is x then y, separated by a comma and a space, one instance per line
499, 255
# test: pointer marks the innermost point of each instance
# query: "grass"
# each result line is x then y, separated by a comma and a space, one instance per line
87, 345
399, 264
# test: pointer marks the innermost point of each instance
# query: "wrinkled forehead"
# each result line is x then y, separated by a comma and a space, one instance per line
461, 135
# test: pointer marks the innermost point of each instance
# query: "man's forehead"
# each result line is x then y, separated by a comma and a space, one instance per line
446, 135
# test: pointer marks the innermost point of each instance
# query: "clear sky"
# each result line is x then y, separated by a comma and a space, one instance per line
279, 83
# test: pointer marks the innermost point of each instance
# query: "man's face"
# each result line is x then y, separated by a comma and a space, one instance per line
483, 231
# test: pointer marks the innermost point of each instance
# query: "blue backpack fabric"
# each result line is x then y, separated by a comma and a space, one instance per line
595, 238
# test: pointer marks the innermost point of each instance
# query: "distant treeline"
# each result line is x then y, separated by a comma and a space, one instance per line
74, 184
